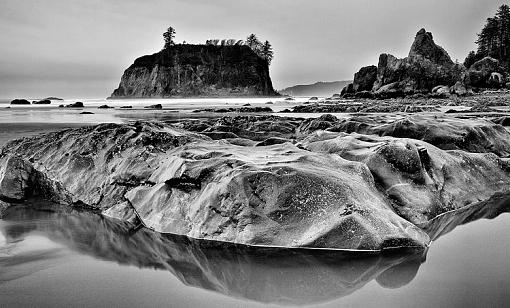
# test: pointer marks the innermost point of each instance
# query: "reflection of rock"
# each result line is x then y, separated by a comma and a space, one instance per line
403, 273
285, 276
23, 258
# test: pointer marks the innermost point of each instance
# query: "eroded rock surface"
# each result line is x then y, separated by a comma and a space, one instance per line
300, 186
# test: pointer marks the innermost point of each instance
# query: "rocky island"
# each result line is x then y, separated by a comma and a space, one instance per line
186, 70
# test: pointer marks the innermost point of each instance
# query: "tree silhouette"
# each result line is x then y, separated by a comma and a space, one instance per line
169, 36
267, 52
494, 39
253, 42
471, 59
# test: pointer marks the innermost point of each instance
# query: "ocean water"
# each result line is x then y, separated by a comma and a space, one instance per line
68, 258
172, 109
72, 258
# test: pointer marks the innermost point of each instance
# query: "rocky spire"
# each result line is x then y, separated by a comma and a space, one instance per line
424, 46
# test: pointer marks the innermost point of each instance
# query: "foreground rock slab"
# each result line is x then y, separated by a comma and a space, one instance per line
331, 190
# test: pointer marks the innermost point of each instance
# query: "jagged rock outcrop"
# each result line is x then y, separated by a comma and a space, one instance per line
424, 46
364, 79
427, 66
197, 70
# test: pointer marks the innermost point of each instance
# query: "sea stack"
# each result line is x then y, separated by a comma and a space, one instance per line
426, 67
197, 70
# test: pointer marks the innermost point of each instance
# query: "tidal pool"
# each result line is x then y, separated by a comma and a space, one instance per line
61, 257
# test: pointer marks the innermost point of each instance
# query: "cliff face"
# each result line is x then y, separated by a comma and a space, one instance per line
197, 70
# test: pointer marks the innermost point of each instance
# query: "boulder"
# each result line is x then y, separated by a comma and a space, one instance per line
348, 89
364, 94
276, 195
156, 106
459, 89
480, 74
364, 79
19, 180
496, 80
421, 180
332, 190
20, 102
3, 206
75, 105
441, 90
16, 177
447, 133
42, 102
390, 90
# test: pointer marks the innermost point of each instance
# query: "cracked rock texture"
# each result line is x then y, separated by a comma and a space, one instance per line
322, 189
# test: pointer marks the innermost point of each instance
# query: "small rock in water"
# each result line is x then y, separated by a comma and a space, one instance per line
75, 105
126, 107
86, 112
42, 102
104, 107
157, 106
20, 102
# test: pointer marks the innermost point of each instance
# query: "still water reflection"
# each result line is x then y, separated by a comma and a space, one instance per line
57, 258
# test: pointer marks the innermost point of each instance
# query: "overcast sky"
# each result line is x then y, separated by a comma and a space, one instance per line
79, 49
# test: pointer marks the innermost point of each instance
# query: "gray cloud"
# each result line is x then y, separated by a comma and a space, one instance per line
80, 48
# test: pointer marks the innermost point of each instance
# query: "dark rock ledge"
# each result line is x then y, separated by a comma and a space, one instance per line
329, 190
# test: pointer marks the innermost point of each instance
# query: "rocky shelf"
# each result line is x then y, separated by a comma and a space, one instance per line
368, 182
